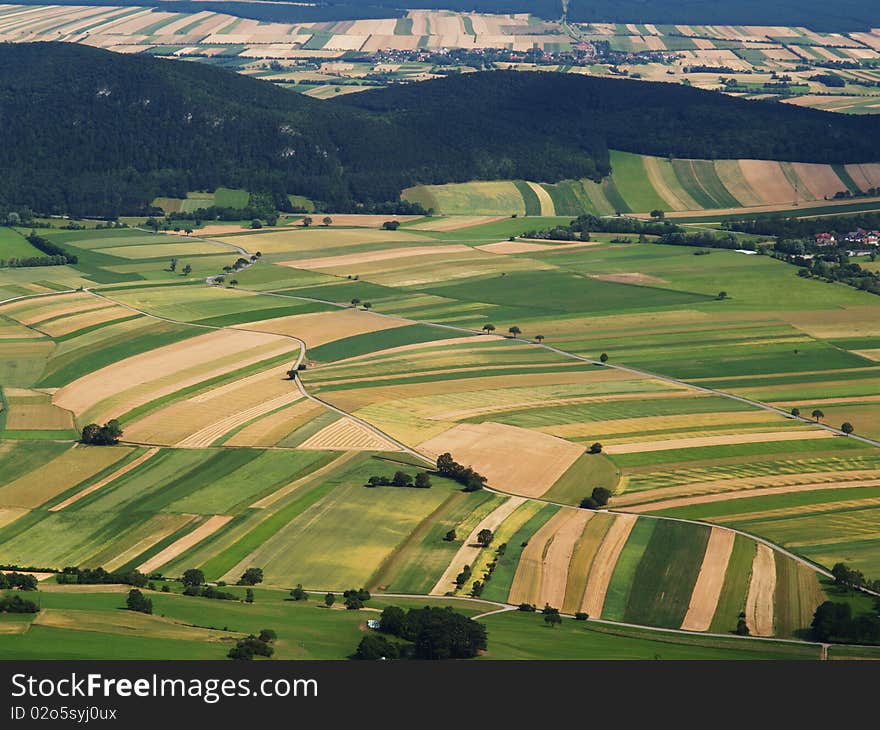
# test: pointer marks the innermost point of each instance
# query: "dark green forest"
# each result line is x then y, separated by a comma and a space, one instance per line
89, 132
815, 14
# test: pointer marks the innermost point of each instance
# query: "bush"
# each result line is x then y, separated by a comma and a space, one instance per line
581, 616
136, 601
251, 577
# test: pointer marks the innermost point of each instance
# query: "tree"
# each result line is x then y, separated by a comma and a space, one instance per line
589, 503
249, 595
374, 647
796, 412
847, 428
603, 357
817, 414
298, 594
267, 635
539, 338
233, 283
136, 601
657, 213
173, 265
722, 295
327, 220
450, 536
256, 224
514, 331
581, 616
391, 225
423, 480
596, 448
601, 495
488, 328
187, 270
742, 628
193, 577
251, 577
401, 479
188, 231
329, 600
484, 537
355, 301
307, 221
552, 619
392, 621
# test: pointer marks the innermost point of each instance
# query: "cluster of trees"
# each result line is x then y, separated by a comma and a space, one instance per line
17, 604
137, 601
99, 576
29, 262
829, 79
803, 229
355, 598
852, 579
580, 228
424, 633
210, 592
253, 646
49, 248
598, 499
835, 622
840, 269
54, 254
22, 581
451, 469
401, 479
106, 435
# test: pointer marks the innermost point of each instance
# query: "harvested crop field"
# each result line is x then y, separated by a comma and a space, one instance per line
707, 589
513, 459
700, 441
604, 563
346, 434
759, 602
319, 328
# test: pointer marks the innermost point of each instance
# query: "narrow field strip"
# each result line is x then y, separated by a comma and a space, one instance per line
106, 480
707, 589
726, 496
558, 558
762, 588
529, 577
469, 551
207, 528
604, 562
739, 438
287, 489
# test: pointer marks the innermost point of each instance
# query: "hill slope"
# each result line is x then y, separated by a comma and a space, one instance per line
100, 133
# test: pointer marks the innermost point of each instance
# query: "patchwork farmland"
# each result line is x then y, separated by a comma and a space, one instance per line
641, 183
721, 510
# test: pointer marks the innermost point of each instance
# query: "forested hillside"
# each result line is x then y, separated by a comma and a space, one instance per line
92, 132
